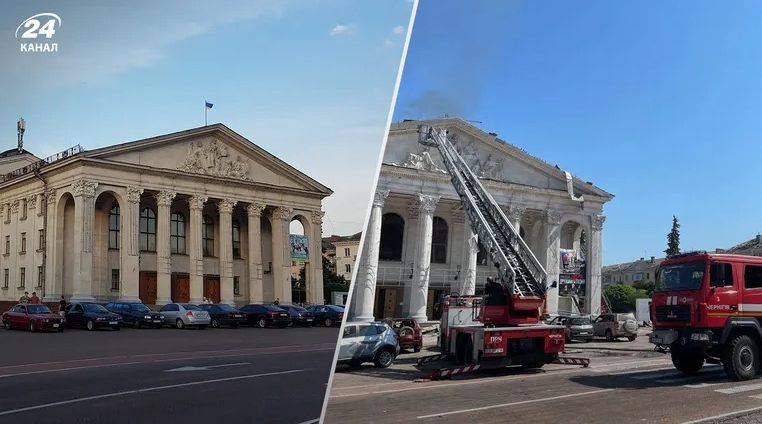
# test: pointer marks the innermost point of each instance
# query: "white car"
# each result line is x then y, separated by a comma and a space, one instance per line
368, 342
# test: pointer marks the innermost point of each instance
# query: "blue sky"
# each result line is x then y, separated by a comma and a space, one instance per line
311, 81
657, 102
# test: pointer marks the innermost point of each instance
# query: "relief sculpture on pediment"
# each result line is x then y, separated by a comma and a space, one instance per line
214, 159
421, 160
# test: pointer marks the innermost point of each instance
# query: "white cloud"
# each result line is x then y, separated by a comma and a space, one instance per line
399, 29
343, 29
388, 43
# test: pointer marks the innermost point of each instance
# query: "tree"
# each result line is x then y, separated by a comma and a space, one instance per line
622, 297
647, 286
673, 238
332, 282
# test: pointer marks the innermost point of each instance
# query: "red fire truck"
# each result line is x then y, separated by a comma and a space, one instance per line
707, 308
502, 327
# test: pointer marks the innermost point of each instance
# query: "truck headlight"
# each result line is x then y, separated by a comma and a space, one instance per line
700, 336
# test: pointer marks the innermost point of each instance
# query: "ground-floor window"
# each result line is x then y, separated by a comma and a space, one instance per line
114, 280
237, 286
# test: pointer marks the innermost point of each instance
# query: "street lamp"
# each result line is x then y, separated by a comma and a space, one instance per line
21, 127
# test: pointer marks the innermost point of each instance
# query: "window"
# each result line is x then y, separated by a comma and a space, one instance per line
392, 235
648, 275
7, 278
236, 286
346, 252
236, 239
113, 227
7, 245
23, 243
753, 276
348, 268
177, 233
22, 277
721, 275
208, 236
439, 241
42, 239
24, 209
40, 276
148, 230
114, 280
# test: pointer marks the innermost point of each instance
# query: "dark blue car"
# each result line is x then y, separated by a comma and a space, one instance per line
328, 315
299, 315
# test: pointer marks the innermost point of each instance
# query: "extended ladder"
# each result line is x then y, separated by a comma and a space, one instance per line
516, 263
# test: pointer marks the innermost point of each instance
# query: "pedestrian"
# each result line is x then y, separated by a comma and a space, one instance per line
25, 298
34, 300
277, 301
62, 306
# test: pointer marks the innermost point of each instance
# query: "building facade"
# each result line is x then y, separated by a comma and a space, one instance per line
419, 244
642, 270
178, 217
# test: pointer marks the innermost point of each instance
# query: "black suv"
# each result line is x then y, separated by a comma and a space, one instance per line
91, 316
136, 314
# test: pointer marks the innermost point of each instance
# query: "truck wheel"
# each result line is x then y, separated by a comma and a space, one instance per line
741, 358
687, 361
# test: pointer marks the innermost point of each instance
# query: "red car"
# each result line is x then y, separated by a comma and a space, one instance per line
409, 332
32, 317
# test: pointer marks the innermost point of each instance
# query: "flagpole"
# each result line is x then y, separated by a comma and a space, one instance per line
206, 112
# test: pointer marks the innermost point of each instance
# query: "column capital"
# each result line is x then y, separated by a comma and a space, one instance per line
427, 204
516, 212
597, 221
255, 209
226, 206
15, 206
31, 201
379, 198
197, 202
84, 188
165, 197
317, 217
133, 194
552, 216
283, 213
50, 196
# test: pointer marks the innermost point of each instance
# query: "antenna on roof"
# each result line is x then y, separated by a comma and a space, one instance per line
21, 127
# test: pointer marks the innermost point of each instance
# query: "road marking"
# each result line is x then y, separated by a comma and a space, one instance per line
523, 402
311, 421
740, 389
728, 414
703, 385
70, 369
150, 389
206, 368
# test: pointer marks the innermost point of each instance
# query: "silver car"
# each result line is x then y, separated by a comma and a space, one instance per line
368, 342
182, 315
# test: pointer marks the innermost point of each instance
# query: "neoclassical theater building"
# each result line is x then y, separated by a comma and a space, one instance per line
178, 217
418, 244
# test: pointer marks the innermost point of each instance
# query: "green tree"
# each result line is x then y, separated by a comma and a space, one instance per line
673, 238
332, 282
622, 297
647, 286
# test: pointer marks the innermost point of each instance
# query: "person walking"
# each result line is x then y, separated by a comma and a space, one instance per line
62, 306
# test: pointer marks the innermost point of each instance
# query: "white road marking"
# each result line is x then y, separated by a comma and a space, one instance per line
71, 369
311, 421
150, 389
756, 396
740, 389
207, 367
703, 385
728, 414
504, 405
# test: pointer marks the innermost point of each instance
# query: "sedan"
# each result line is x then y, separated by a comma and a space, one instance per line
224, 315
299, 315
136, 314
266, 315
32, 317
91, 316
183, 315
327, 315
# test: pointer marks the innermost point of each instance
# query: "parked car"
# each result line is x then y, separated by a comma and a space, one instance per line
614, 326
32, 317
327, 315
91, 316
224, 315
183, 315
368, 342
410, 333
299, 315
266, 315
136, 314
577, 327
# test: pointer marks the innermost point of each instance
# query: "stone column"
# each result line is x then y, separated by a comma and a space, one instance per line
53, 285
470, 253
315, 292
594, 261
84, 216
282, 254
515, 214
129, 250
552, 255
254, 213
420, 290
366, 283
163, 251
408, 260
225, 208
196, 253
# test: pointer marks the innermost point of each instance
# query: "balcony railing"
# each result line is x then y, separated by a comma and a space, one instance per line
72, 151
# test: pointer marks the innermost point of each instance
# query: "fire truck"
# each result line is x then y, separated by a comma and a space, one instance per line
706, 308
503, 327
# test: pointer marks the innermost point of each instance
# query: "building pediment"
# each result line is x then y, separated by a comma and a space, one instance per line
213, 151
489, 157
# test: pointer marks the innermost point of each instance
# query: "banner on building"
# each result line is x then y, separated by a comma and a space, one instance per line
568, 285
299, 248
572, 262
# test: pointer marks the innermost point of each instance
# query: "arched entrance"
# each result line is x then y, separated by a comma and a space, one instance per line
299, 257
573, 275
107, 243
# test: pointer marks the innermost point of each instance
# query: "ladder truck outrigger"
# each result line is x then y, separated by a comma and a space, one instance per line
503, 327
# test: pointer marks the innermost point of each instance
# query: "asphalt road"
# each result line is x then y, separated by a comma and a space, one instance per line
145, 376
625, 384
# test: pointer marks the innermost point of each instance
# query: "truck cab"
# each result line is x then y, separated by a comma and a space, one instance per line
707, 308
